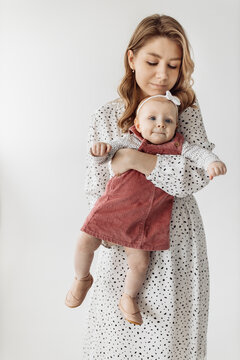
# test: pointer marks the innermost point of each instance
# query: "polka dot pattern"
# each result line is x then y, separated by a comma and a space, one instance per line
175, 295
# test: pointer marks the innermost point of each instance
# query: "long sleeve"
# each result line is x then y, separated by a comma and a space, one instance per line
126, 141
176, 174
96, 175
102, 127
202, 158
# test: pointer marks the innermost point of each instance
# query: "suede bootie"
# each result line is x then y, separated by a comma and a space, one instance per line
130, 309
78, 291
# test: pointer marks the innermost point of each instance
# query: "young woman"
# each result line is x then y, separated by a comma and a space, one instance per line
174, 296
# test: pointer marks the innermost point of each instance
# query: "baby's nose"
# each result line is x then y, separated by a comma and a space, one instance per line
160, 125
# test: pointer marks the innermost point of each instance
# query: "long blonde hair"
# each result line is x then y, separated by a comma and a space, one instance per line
149, 27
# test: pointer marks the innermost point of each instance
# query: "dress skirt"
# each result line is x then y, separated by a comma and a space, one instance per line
133, 213
173, 299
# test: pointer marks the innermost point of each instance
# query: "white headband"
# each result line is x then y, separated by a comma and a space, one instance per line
168, 96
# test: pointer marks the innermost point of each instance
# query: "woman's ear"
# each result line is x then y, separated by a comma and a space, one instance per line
131, 59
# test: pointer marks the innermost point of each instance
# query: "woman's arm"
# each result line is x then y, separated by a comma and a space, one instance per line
175, 174
142, 162
103, 127
127, 159
97, 175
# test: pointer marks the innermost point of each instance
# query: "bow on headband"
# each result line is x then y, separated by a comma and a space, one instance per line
168, 96
172, 98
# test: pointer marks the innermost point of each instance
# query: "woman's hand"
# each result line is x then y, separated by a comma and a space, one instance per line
121, 161
216, 168
127, 159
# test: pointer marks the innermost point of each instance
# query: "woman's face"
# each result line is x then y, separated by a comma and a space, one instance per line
156, 66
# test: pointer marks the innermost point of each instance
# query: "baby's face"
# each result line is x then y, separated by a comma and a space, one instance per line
157, 120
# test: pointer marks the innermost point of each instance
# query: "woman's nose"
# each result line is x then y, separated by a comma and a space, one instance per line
162, 72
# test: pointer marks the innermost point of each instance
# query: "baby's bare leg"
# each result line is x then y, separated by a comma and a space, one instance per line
86, 245
138, 261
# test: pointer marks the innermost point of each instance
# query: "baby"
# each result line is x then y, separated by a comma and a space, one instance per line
132, 212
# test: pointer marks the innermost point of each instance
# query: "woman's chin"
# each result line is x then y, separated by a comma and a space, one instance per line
152, 92
157, 92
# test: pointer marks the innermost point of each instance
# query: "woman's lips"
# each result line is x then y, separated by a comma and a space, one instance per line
159, 86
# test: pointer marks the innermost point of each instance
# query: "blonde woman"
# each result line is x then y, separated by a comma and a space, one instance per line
174, 296
132, 212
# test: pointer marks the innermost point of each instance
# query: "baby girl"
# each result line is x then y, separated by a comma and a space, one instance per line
132, 212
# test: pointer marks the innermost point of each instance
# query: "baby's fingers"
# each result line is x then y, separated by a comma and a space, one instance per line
95, 149
109, 147
217, 171
221, 169
224, 169
102, 149
211, 173
98, 149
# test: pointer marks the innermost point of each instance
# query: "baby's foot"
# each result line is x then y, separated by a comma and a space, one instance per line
130, 309
78, 291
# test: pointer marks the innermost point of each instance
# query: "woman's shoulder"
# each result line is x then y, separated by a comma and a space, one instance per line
104, 119
192, 127
191, 109
111, 108
192, 114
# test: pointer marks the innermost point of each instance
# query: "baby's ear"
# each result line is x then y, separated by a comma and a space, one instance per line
136, 123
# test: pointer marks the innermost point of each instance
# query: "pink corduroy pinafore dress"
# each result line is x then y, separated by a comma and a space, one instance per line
132, 212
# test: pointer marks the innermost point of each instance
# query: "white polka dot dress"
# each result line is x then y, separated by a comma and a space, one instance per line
174, 297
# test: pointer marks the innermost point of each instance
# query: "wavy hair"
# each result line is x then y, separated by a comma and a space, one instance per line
149, 27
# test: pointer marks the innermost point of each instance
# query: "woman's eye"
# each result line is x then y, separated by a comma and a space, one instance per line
151, 64
154, 64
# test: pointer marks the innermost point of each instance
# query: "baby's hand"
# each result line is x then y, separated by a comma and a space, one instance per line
100, 149
216, 168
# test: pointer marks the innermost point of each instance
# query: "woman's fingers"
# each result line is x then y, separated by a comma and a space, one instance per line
119, 163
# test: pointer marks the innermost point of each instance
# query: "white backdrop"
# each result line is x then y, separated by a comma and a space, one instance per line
61, 60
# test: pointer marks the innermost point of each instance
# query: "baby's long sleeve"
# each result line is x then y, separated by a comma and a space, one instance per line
176, 174
202, 158
123, 142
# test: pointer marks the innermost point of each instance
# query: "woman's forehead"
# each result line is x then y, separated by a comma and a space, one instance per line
160, 47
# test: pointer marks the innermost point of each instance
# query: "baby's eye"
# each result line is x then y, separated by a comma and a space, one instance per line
152, 117
168, 121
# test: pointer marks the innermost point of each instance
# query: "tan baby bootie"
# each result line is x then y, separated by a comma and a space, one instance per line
130, 309
78, 291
